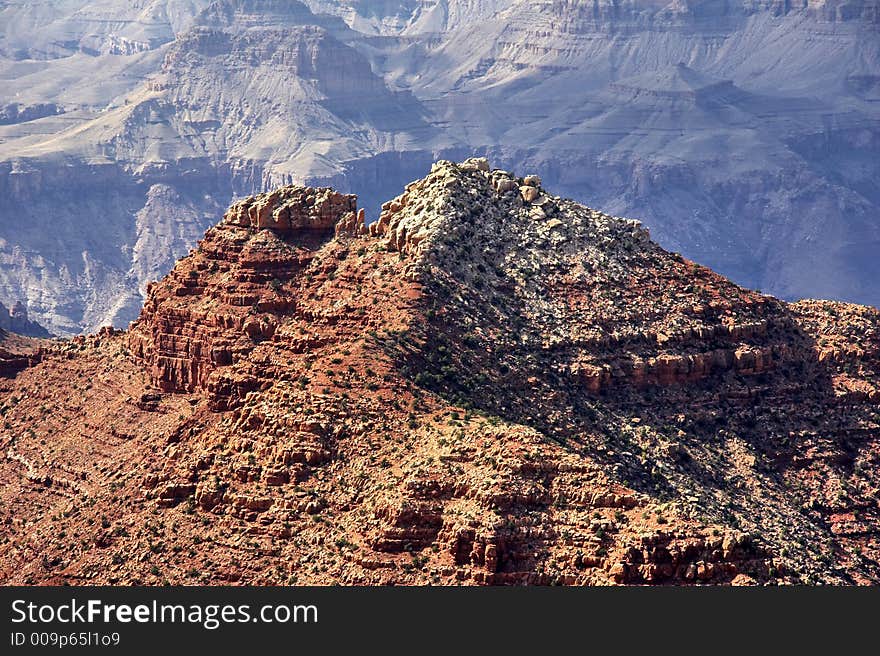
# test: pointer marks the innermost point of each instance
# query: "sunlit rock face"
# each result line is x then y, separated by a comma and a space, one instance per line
743, 134
490, 384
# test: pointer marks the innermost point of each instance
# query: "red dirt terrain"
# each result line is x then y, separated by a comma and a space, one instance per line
489, 385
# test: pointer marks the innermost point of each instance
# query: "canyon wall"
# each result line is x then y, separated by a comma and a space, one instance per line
697, 120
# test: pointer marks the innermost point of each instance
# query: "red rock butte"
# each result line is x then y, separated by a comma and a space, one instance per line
488, 385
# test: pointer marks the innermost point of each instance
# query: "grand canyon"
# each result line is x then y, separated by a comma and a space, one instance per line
489, 384
744, 134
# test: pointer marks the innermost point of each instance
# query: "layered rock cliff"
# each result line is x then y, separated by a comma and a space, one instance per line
212, 312
491, 384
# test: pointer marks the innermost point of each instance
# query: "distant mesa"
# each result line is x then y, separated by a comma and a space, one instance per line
20, 113
679, 81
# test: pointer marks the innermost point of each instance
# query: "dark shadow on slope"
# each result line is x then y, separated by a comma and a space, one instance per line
751, 450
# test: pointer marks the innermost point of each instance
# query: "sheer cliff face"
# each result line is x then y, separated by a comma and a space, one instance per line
744, 134
490, 384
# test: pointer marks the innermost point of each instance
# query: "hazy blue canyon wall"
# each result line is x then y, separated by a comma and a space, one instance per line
744, 135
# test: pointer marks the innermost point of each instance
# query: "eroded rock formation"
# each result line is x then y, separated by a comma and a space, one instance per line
229, 294
490, 385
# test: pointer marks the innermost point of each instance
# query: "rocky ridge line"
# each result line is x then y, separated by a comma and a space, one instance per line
306, 399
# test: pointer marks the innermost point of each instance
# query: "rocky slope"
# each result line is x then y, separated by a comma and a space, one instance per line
488, 385
744, 134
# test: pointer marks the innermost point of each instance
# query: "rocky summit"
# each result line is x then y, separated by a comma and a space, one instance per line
490, 384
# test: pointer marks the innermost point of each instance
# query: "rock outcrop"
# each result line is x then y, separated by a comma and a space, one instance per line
228, 295
491, 384
290, 209
17, 353
17, 321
